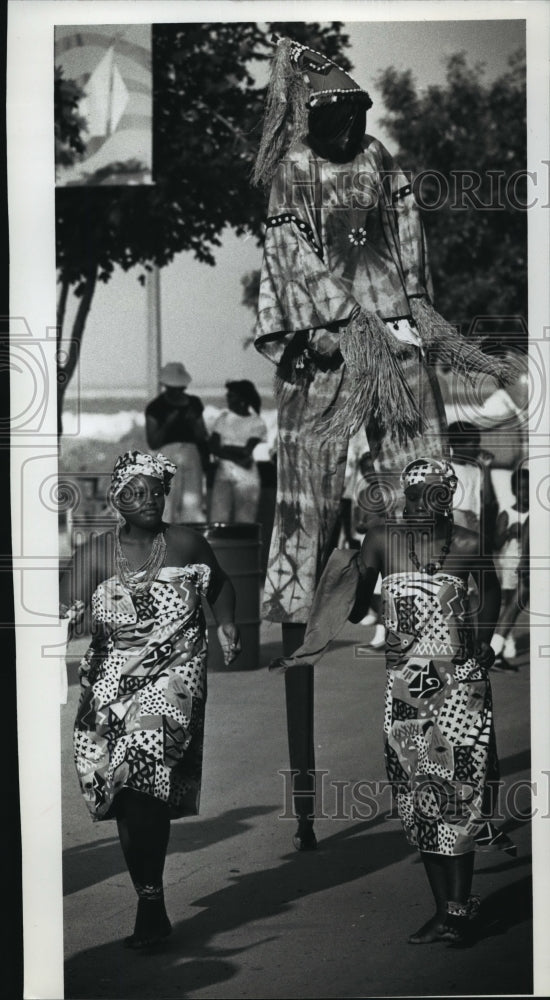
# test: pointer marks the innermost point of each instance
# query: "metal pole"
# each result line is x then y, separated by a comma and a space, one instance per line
153, 331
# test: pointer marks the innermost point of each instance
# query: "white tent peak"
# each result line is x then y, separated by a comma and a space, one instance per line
106, 97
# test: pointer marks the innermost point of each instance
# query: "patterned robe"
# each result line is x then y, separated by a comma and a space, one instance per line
339, 237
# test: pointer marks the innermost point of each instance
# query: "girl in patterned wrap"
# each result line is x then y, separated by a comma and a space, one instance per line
440, 744
138, 734
440, 747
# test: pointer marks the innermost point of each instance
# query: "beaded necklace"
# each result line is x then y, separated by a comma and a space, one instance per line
147, 572
434, 565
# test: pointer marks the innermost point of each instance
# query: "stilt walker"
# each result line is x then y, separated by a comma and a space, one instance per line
345, 314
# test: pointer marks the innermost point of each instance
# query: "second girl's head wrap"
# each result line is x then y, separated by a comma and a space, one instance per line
140, 463
429, 470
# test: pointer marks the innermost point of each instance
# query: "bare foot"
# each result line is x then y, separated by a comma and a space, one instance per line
432, 930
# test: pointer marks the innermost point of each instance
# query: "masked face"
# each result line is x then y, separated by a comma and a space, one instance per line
336, 130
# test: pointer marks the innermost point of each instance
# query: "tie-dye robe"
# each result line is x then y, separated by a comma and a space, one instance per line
339, 237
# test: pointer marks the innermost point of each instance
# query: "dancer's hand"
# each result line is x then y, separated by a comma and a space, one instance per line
485, 654
230, 641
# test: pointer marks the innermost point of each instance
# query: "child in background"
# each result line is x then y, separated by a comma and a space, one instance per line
475, 504
512, 543
370, 510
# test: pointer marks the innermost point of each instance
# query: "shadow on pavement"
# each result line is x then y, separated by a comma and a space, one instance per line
248, 899
97, 861
506, 908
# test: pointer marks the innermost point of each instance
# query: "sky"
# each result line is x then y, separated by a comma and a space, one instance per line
203, 322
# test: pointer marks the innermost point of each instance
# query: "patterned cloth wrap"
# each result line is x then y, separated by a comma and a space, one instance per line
440, 746
140, 718
139, 463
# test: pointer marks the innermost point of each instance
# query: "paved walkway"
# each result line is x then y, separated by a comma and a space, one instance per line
251, 916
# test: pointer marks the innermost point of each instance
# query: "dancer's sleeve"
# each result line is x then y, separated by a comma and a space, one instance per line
332, 603
408, 232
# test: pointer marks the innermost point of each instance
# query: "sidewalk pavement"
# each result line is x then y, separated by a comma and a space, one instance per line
254, 918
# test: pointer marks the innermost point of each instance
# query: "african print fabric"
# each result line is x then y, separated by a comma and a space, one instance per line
140, 718
440, 745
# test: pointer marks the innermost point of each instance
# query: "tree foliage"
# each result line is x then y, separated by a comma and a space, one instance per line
207, 116
465, 134
69, 124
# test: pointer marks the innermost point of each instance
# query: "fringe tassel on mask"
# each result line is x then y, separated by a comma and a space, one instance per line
378, 388
286, 116
452, 349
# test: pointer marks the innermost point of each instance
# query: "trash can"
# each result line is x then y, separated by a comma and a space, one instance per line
238, 549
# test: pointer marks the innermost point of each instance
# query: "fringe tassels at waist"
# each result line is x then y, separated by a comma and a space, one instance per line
378, 390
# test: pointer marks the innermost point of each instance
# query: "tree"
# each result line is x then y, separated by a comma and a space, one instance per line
467, 134
69, 124
207, 111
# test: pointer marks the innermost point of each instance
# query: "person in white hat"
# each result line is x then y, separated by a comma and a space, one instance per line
174, 422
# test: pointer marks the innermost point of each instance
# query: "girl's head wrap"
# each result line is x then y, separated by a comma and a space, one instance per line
139, 463
429, 470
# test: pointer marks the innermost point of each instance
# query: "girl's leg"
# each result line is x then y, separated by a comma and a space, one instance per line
144, 829
460, 907
435, 868
460, 870
510, 610
450, 880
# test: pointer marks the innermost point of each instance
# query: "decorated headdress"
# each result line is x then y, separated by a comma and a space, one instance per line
301, 79
429, 470
139, 463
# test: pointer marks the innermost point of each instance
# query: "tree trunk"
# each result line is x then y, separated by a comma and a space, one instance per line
67, 357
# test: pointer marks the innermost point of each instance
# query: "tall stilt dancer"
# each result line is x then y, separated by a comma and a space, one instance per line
345, 313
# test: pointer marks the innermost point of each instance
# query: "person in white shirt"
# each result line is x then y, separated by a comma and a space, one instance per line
235, 434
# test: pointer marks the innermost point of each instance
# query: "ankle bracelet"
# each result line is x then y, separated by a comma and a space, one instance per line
149, 893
